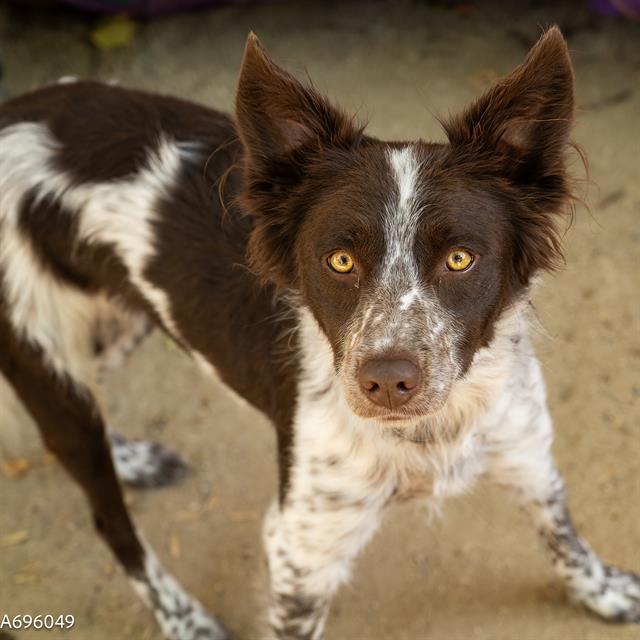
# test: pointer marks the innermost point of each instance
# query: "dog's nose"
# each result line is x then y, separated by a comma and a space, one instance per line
389, 383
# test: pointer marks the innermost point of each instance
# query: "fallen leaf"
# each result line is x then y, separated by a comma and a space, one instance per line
465, 9
195, 511
14, 539
113, 33
174, 546
26, 578
15, 467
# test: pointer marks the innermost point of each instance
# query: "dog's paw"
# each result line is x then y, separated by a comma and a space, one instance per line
192, 624
611, 593
179, 615
145, 464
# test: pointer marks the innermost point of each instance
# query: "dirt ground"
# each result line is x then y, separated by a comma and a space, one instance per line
477, 574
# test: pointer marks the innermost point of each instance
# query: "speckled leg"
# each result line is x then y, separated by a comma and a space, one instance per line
611, 593
311, 540
522, 461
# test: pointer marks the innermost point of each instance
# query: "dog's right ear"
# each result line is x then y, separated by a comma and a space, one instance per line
284, 126
279, 119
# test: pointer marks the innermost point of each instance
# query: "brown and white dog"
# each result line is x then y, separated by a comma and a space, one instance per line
371, 298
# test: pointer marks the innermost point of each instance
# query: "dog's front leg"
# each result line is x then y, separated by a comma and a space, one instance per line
609, 592
519, 457
328, 514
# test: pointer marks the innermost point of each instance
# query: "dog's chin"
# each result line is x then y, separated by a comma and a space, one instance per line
403, 418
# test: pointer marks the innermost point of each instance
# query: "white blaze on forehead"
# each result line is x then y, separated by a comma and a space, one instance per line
408, 298
402, 214
402, 312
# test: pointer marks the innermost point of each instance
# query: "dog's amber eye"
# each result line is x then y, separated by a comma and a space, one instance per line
459, 260
341, 262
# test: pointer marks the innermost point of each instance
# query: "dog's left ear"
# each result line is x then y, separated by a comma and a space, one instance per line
519, 131
526, 117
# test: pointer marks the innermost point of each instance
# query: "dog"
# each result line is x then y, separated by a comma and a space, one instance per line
371, 298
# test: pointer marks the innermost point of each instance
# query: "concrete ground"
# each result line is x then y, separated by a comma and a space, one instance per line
477, 574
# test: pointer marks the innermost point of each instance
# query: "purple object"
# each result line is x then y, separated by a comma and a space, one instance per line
146, 7
628, 8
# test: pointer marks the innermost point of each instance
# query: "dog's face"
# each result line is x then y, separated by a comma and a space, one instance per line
404, 282
406, 253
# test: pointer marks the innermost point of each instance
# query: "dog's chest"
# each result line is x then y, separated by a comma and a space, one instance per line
435, 472
339, 456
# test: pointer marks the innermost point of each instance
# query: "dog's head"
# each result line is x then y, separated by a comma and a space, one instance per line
406, 253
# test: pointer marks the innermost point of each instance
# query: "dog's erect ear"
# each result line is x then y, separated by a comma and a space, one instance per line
526, 116
284, 126
519, 130
278, 116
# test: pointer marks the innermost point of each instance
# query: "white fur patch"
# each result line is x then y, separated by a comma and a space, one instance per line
119, 213
122, 212
55, 317
402, 214
326, 427
117, 332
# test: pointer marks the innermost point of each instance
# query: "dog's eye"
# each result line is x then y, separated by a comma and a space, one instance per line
341, 262
459, 260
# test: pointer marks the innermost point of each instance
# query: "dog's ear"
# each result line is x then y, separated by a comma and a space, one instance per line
526, 116
284, 127
519, 130
278, 117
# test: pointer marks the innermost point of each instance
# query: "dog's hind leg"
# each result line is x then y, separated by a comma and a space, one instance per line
116, 333
72, 429
144, 464
519, 457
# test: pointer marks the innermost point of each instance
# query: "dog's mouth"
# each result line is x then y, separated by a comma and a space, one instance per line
403, 418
